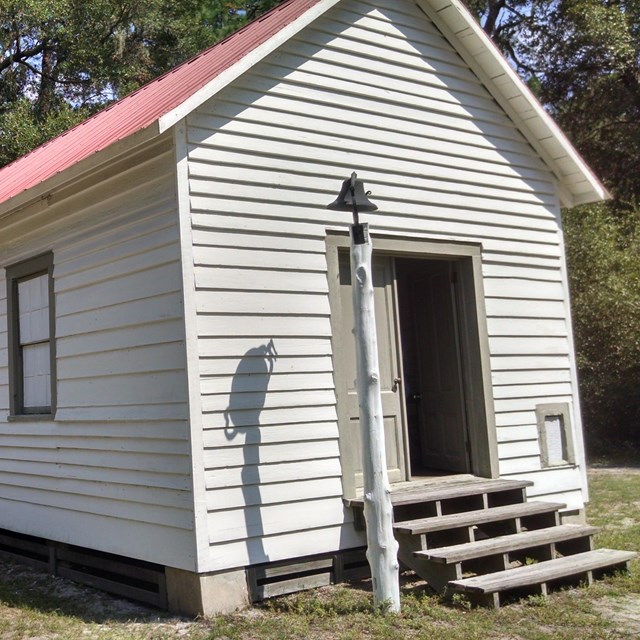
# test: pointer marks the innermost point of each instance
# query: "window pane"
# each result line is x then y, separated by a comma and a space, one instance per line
36, 376
555, 439
33, 304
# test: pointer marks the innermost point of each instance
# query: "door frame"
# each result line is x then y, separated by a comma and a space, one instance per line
473, 334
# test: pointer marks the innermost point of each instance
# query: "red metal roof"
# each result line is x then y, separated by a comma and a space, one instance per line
143, 107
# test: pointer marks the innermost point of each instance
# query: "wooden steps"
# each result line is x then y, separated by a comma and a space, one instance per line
482, 538
486, 589
508, 544
474, 518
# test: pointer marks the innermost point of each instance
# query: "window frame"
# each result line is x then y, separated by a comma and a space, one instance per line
561, 410
16, 273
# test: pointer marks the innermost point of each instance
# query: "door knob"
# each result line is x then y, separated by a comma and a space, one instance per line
396, 384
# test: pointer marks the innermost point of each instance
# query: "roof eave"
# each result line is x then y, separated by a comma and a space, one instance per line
476, 48
43, 190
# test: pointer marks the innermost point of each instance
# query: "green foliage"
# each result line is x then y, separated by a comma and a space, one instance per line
61, 59
21, 130
590, 80
603, 253
582, 58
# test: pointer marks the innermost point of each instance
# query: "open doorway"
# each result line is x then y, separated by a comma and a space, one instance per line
433, 387
433, 351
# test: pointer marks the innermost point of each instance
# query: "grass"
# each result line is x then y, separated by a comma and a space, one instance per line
36, 606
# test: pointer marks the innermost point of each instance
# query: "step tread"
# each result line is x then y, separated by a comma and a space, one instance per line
543, 571
478, 516
431, 492
504, 544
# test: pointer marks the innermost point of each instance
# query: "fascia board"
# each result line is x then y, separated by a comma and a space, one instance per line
78, 171
465, 34
244, 64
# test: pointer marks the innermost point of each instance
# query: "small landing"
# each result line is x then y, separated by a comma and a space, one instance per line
444, 488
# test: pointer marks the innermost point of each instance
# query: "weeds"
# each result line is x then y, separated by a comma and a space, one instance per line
36, 606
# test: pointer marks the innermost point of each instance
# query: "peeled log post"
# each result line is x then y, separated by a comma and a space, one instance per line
382, 547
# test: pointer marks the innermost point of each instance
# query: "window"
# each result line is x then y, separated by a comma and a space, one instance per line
554, 429
31, 320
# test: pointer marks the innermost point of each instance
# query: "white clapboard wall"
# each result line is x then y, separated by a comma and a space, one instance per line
113, 471
371, 86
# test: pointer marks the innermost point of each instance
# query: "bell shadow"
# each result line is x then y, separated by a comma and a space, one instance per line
242, 420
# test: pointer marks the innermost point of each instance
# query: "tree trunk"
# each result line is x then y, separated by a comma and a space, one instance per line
46, 93
382, 547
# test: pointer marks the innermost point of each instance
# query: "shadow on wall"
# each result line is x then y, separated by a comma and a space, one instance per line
242, 418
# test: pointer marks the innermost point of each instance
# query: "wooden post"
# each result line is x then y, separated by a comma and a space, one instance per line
382, 547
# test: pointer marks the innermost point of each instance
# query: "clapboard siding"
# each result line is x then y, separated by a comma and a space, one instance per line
370, 86
117, 456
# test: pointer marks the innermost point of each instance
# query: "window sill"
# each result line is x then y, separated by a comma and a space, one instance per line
31, 417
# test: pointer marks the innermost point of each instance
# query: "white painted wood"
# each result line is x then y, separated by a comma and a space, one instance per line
521, 306
510, 404
244, 63
493, 65
116, 477
273, 519
117, 457
237, 347
146, 284
133, 494
274, 399
528, 327
515, 418
266, 494
577, 433
248, 257
232, 456
506, 363
260, 280
523, 466
70, 526
534, 390
279, 472
271, 326
159, 331
247, 253
294, 364
128, 443
280, 382
175, 432
537, 376
517, 433
382, 547
129, 389
262, 549
280, 415
188, 309
526, 182
443, 163
134, 360
526, 346
168, 253
271, 434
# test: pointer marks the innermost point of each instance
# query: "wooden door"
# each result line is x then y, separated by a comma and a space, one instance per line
387, 333
443, 431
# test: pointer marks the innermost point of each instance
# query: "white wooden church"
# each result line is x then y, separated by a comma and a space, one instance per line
176, 359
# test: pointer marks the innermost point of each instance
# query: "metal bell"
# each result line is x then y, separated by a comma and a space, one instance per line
352, 191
